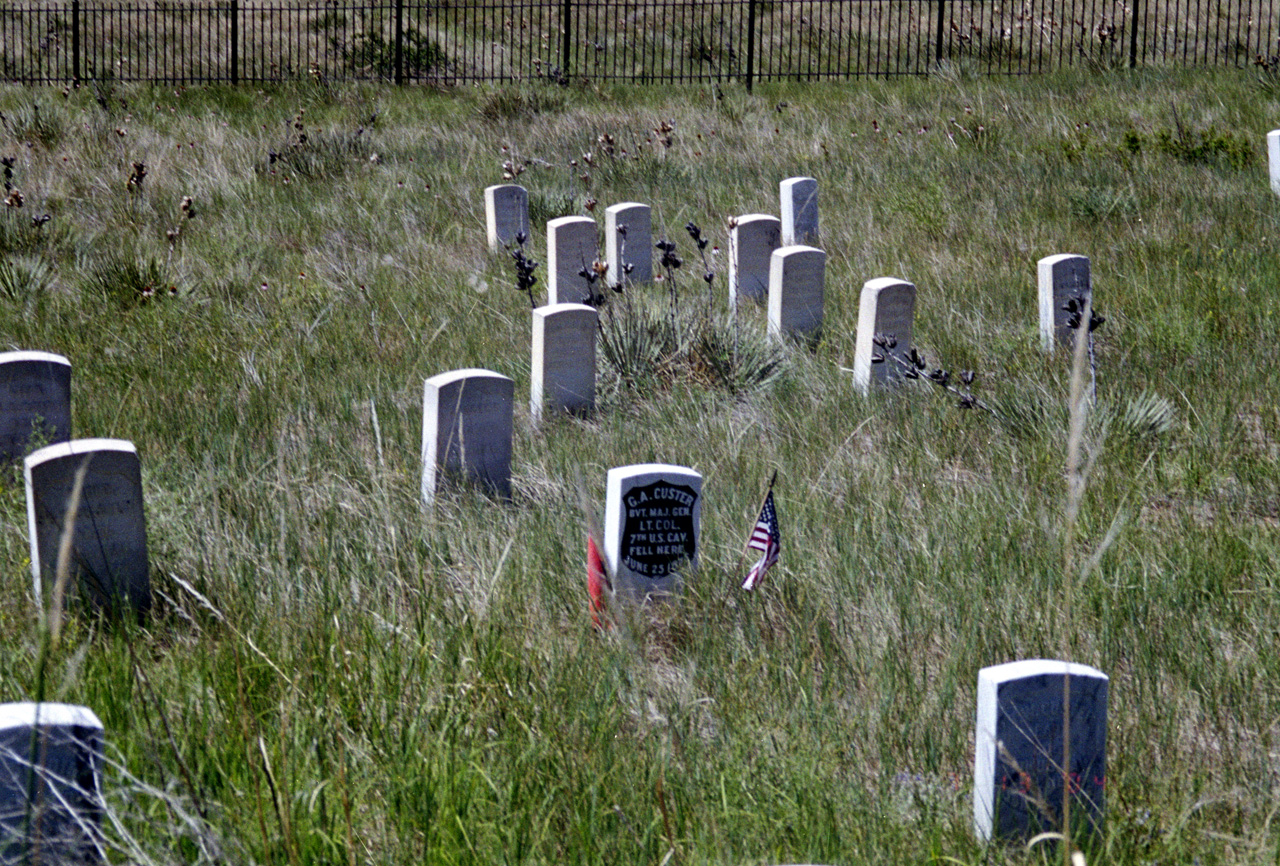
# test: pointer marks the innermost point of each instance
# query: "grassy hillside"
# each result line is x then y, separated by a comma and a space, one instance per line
336, 675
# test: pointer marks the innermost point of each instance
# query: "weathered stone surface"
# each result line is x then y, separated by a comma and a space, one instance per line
799, 200
571, 246
1273, 159
563, 373
466, 431
636, 249
108, 562
797, 276
35, 401
58, 785
506, 210
887, 307
1060, 278
752, 240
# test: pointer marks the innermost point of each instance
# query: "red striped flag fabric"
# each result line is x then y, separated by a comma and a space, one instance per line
767, 539
597, 582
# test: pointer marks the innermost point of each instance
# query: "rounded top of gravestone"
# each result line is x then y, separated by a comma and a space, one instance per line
30, 714
78, 446
559, 222
1060, 257
756, 217
442, 379
1037, 667
497, 187
792, 181
797, 249
626, 205
879, 283
29, 355
555, 309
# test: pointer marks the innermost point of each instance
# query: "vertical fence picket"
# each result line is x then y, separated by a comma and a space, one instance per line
234, 13
75, 41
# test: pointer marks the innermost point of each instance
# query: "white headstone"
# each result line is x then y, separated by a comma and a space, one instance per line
506, 211
1273, 159
564, 359
752, 241
571, 246
466, 431
652, 515
1017, 775
887, 307
108, 561
1060, 279
636, 249
50, 797
796, 278
799, 211
35, 401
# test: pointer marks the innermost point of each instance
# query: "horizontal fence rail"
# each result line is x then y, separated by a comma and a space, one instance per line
463, 41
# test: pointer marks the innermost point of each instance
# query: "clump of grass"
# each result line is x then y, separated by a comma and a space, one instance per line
519, 103
1196, 146
24, 278
128, 283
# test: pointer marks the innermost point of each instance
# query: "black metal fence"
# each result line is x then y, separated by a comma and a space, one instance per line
460, 41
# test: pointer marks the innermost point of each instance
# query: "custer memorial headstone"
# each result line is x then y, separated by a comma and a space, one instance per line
108, 554
1018, 748
652, 515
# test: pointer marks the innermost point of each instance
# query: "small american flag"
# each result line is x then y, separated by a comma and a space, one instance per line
765, 538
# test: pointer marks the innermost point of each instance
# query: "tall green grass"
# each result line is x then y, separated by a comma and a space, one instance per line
336, 675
